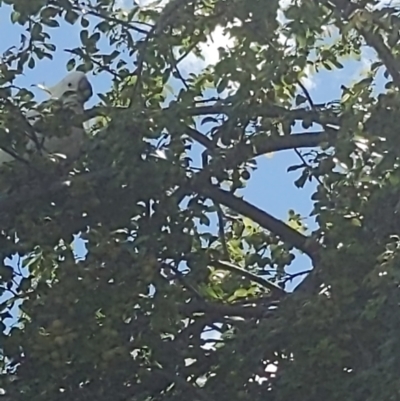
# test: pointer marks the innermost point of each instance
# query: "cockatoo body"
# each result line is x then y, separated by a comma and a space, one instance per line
73, 91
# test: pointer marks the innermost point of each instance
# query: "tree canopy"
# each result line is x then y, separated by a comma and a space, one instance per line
183, 289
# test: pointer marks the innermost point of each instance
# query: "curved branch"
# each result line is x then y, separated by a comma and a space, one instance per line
374, 40
265, 220
262, 145
384, 53
200, 138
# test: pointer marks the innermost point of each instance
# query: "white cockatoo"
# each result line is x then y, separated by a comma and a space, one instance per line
73, 91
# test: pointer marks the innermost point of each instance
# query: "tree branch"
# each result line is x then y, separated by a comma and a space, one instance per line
374, 40
200, 138
221, 310
261, 145
265, 220
272, 111
276, 291
221, 231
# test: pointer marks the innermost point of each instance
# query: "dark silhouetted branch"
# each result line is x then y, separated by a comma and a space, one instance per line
265, 220
373, 39
262, 145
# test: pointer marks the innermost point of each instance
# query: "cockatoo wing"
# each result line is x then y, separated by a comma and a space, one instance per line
73, 91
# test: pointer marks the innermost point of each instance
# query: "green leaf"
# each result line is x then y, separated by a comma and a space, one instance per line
25, 284
6, 273
241, 293
336, 63
71, 64
300, 182
52, 23
71, 16
222, 85
15, 17
84, 22
36, 31
95, 37
31, 63
84, 35
300, 99
49, 12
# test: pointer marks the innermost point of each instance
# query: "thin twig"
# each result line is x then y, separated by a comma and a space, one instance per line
116, 21
310, 101
306, 94
181, 277
221, 231
96, 62
275, 290
294, 275
175, 66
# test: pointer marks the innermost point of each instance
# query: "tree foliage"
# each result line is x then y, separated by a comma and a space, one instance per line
132, 319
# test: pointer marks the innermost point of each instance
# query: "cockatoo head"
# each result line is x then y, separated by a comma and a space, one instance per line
74, 87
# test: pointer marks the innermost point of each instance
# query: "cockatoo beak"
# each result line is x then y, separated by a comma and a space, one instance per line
85, 89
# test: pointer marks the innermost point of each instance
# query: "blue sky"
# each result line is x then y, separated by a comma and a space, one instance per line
271, 187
